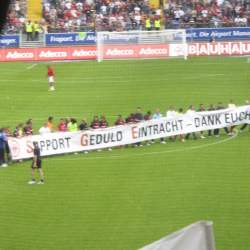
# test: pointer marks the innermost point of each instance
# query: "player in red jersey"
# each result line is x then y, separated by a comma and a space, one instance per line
119, 121
51, 78
95, 123
103, 122
62, 126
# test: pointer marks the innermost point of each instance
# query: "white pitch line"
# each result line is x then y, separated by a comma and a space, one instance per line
114, 78
149, 153
31, 66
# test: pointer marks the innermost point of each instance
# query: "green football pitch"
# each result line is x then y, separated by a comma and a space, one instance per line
129, 197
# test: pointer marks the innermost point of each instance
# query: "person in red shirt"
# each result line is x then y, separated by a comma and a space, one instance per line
148, 116
95, 123
103, 122
62, 126
51, 78
119, 121
28, 128
130, 119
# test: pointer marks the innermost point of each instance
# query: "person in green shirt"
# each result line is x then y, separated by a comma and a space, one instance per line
148, 24
36, 28
157, 24
72, 125
29, 31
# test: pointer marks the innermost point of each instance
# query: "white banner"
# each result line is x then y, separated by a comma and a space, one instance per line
210, 49
198, 236
67, 142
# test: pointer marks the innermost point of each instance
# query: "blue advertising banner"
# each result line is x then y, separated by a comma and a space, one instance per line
89, 38
121, 38
79, 38
218, 34
9, 41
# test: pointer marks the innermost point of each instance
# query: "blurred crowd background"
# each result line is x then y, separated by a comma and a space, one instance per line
122, 15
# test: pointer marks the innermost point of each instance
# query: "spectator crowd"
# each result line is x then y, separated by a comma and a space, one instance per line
16, 17
120, 15
71, 125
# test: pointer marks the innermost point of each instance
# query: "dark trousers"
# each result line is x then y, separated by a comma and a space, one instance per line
7, 151
36, 36
29, 36
217, 131
244, 126
193, 134
2, 159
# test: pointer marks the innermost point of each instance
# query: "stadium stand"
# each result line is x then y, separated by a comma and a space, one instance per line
69, 15
16, 16
207, 13
119, 15
34, 10
131, 15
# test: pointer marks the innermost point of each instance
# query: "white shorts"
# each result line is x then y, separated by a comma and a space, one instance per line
51, 79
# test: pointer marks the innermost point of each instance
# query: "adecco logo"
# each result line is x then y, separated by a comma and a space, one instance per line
14, 147
52, 54
119, 52
19, 55
84, 53
153, 51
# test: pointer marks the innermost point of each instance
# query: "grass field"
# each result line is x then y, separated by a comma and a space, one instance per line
129, 197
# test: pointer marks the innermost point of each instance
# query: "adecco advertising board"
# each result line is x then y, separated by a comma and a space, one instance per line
122, 52
47, 54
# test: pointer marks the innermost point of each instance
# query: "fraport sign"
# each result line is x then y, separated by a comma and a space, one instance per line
79, 38
219, 34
